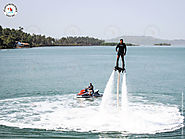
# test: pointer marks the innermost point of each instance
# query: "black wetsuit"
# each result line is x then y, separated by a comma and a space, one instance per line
122, 49
91, 87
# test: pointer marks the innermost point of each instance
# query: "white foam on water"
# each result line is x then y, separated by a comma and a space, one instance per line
66, 113
63, 112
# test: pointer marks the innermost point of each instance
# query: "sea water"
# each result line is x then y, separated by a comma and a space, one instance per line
38, 87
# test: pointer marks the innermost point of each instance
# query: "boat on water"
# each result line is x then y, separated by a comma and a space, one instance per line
83, 94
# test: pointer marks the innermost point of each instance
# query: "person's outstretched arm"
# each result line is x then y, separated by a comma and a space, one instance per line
125, 49
117, 47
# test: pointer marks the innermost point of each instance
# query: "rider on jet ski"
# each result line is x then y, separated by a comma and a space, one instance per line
89, 92
91, 89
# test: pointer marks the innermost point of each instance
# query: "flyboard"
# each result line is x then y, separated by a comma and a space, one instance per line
119, 71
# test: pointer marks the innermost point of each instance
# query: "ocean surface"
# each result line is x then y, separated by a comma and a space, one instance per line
38, 88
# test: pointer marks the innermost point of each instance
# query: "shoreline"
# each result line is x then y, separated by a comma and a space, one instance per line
1, 47
138, 46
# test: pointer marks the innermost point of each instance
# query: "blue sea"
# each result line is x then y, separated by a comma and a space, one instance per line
38, 88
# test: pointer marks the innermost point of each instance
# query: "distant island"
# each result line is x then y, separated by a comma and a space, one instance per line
115, 43
163, 44
147, 40
17, 38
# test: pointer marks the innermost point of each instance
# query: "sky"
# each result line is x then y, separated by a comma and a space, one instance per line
104, 19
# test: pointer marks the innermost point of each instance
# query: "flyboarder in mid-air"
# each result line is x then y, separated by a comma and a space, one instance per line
121, 49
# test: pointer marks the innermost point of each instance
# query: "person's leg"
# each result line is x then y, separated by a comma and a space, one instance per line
118, 55
123, 62
90, 92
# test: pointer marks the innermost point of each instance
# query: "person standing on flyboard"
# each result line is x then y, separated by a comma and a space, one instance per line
121, 49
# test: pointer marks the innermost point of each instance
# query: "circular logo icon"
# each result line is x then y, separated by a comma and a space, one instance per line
10, 10
112, 31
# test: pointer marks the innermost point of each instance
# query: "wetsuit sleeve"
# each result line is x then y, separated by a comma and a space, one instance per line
125, 49
117, 47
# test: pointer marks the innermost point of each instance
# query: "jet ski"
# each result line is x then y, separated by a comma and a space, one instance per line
84, 94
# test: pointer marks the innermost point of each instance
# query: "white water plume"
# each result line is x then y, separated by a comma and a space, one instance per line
108, 93
124, 98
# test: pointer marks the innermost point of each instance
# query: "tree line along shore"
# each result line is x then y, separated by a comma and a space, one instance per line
10, 37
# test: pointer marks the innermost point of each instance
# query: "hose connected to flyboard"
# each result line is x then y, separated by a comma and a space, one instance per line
118, 89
